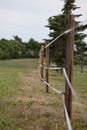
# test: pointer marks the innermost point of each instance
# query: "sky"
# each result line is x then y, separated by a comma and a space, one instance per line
27, 18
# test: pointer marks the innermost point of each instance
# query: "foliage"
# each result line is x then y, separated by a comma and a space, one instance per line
12, 49
17, 38
58, 24
69, 6
81, 55
33, 48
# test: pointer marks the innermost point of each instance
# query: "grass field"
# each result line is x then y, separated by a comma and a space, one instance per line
24, 105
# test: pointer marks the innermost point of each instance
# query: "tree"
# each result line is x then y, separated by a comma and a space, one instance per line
13, 49
10, 49
79, 36
69, 6
81, 55
32, 48
17, 38
58, 24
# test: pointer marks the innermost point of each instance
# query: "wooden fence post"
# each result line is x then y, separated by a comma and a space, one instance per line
69, 64
47, 70
41, 60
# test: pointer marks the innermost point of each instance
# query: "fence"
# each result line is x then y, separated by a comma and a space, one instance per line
69, 91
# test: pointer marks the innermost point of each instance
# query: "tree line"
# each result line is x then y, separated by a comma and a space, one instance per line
13, 49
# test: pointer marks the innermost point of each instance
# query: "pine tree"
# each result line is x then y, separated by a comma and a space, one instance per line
80, 57
69, 6
58, 24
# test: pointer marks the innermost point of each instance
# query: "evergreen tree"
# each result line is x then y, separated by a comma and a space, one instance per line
58, 24
79, 36
69, 6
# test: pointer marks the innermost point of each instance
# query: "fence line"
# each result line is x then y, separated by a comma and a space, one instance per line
61, 93
65, 74
57, 91
68, 76
51, 68
67, 116
67, 79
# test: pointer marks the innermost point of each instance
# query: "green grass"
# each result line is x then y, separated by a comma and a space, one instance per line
10, 74
24, 105
20, 64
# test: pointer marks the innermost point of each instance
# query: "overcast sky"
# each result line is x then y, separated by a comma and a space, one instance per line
27, 18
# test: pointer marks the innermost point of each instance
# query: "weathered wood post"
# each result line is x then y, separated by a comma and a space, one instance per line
47, 70
69, 64
41, 60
